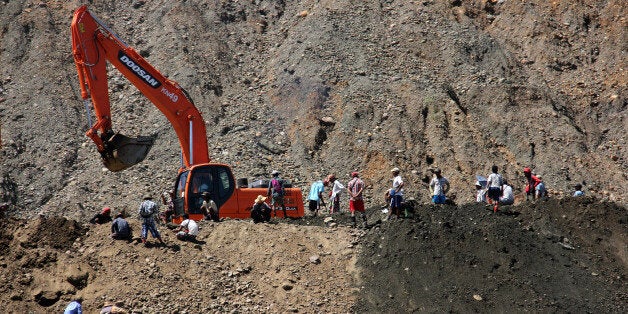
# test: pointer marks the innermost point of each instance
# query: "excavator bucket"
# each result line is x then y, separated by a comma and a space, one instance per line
123, 151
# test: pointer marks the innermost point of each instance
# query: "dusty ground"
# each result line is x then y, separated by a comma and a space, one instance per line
556, 255
235, 266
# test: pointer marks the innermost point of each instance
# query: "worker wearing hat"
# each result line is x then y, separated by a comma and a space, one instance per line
103, 217
396, 194
260, 211
146, 212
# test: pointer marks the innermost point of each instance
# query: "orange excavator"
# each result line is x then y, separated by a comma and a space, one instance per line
93, 44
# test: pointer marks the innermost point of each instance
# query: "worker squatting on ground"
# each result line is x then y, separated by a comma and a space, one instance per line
74, 307
120, 229
276, 192
260, 211
103, 217
494, 184
480, 192
507, 197
188, 229
334, 196
209, 208
578, 191
356, 202
396, 194
111, 308
147, 211
439, 186
315, 198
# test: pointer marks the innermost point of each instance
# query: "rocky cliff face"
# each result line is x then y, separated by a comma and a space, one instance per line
314, 87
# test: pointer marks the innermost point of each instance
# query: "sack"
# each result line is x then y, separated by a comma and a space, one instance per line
277, 186
147, 209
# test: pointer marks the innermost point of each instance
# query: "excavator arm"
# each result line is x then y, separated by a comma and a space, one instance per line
93, 44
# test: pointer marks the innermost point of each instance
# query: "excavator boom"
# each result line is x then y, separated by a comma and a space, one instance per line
93, 44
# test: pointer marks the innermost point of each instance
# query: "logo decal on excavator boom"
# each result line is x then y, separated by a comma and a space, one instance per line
138, 70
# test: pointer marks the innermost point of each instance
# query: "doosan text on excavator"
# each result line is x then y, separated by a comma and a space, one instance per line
93, 44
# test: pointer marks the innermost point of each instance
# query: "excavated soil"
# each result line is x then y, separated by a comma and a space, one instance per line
551, 256
566, 255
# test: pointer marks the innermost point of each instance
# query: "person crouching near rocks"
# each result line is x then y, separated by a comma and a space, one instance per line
120, 229
260, 211
508, 197
188, 230
356, 202
103, 217
209, 208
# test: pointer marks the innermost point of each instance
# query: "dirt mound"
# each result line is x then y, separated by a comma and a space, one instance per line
55, 232
556, 255
235, 266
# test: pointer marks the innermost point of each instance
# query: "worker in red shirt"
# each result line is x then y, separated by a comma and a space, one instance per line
533, 181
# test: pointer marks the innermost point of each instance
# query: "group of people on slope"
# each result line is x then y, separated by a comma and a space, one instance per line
355, 189
148, 213
495, 190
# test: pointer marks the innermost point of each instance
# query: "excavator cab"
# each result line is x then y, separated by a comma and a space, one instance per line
122, 151
216, 179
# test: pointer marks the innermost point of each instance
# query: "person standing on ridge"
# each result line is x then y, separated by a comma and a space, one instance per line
167, 199
336, 190
396, 194
276, 192
315, 197
540, 191
494, 184
356, 202
147, 211
439, 186
480, 193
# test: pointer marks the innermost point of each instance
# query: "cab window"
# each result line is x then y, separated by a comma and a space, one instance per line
224, 183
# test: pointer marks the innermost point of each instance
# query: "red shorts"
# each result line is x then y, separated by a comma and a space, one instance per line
356, 205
